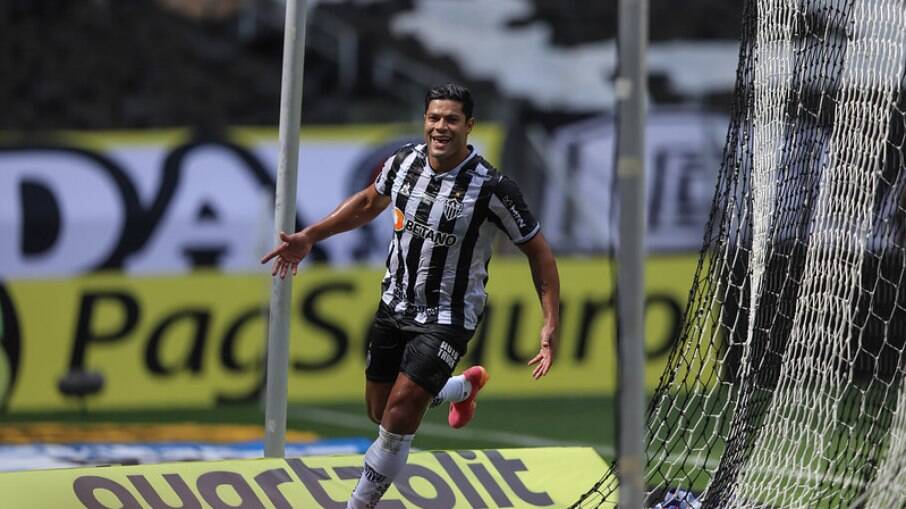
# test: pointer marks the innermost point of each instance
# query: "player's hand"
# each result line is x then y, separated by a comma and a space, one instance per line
545, 357
287, 255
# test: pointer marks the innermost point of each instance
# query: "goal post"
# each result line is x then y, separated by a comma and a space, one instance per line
632, 89
786, 387
275, 397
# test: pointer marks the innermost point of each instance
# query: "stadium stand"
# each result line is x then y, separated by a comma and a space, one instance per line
94, 64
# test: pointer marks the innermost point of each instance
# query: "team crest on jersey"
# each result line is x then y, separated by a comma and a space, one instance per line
452, 209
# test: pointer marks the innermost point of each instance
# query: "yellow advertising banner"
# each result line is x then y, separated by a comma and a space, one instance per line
521, 478
199, 339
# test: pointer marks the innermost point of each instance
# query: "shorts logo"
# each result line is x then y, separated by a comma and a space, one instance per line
448, 354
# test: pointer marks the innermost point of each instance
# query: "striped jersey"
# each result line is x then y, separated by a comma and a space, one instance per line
444, 225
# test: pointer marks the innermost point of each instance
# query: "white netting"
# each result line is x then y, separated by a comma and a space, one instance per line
788, 385
794, 442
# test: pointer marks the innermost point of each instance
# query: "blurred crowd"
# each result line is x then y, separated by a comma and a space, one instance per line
100, 64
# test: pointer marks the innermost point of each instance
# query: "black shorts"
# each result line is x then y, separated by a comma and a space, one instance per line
426, 353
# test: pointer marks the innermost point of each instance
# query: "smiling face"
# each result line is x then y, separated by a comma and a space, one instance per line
446, 134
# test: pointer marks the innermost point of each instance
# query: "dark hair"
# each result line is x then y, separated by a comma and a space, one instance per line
452, 92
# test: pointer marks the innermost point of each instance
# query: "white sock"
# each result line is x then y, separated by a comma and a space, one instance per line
383, 460
455, 390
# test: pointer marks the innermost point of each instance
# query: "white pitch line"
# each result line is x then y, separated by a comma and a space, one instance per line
354, 421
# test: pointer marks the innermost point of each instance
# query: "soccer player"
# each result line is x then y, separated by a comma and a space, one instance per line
448, 203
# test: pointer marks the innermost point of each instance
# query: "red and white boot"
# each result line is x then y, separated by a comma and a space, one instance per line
461, 413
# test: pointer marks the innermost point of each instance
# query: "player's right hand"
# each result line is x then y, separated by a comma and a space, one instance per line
287, 255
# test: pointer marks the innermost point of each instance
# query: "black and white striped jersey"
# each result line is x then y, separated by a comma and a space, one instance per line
444, 226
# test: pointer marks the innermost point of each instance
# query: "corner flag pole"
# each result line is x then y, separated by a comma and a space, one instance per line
632, 92
284, 220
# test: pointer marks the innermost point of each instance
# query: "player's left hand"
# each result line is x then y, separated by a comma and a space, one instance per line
545, 357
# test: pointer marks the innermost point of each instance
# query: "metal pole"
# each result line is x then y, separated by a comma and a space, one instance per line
631, 87
284, 220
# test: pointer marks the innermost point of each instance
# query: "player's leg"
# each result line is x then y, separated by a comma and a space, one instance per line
448, 344
460, 391
376, 394
406, 404
428, 361
386, 344
457, 388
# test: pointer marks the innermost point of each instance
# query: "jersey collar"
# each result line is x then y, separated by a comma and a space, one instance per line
453, 172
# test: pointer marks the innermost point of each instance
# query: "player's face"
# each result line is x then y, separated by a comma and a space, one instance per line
446, 133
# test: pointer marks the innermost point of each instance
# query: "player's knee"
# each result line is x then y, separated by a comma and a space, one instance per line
397, 417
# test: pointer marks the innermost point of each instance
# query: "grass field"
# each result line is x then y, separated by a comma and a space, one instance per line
499, 423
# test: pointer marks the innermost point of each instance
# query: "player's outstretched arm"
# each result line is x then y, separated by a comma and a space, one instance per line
358, 209
547, 283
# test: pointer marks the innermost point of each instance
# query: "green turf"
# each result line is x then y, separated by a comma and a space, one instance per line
499, 423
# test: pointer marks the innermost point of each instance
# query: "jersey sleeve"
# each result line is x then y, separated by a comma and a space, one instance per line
383, 184
384, 180
511, 214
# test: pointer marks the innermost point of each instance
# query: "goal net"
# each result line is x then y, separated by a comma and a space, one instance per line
786, 388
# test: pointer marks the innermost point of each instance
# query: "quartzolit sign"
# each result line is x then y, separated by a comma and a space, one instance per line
539, 477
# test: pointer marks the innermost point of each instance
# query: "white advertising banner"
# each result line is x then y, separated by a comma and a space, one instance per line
683, 156
167, 202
